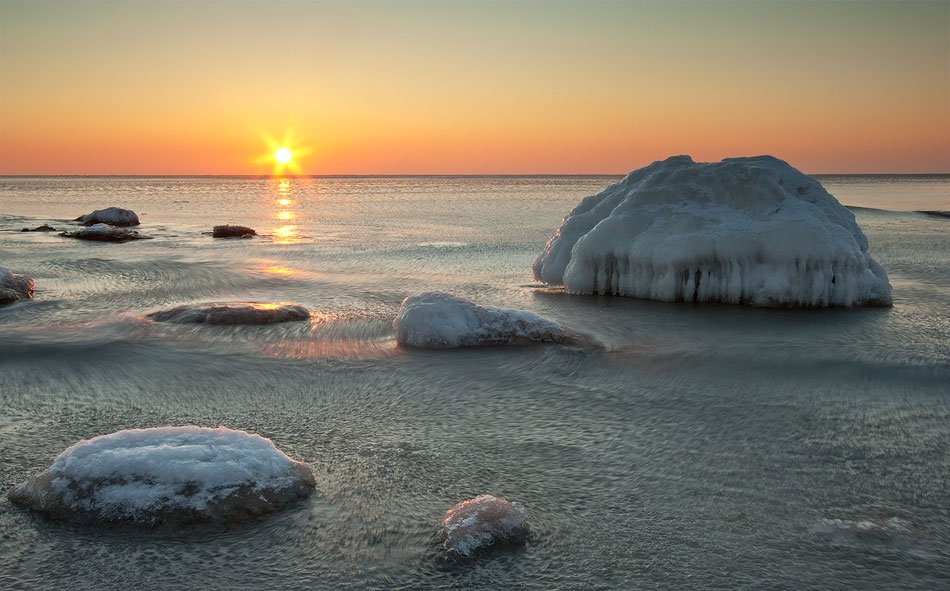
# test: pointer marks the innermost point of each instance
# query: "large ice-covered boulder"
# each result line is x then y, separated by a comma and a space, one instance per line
167, 475
14, 287
437, 320
114, 216
743, 230
232, 313
483, 522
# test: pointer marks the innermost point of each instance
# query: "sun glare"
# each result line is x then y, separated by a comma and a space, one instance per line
284, 155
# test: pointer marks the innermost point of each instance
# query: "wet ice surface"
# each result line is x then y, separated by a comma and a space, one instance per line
694, 446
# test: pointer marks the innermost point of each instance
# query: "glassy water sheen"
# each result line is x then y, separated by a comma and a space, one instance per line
687, 447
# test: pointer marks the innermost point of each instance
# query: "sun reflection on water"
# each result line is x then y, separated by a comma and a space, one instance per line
284, 233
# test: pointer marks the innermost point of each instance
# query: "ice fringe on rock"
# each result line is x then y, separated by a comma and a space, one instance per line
437, 320
167, 475
232, 313
481, 522
114, 216
743, 230
104, 233
14, 287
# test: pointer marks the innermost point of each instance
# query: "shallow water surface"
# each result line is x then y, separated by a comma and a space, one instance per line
682, 446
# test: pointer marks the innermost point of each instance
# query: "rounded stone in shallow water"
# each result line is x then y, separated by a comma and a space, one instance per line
167, 475
232, 313
105, 233
43, 228
230, 231
14, 287
483, 522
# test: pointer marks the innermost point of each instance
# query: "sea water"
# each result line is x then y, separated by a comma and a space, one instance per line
680, 447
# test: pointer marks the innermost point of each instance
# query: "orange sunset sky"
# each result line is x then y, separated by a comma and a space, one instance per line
394, 87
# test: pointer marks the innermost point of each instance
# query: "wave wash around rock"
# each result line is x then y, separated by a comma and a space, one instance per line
744, 230
167, 475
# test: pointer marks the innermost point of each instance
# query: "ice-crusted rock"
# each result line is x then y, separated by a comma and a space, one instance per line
14, 287
230, 231
437, 320
743, 230
232, 313
114, 216
105, 233
482, 522
167, 475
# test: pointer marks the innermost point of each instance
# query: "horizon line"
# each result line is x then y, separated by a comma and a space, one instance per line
415, 175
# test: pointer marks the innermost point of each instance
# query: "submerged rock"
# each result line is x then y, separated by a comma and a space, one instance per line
114, 216
743, 230
232, 313
105, 233
14, 287
482, 522
893, 531
229, 231
437, 320
167, 475
43, 228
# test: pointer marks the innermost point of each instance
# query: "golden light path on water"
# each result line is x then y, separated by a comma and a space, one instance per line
285, 233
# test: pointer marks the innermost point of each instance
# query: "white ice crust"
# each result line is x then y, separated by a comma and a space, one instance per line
482, 522
114, 216
743, 230
437, 320
167, 473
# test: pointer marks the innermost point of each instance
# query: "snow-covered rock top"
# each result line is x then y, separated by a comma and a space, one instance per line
743, 230
481, 522
105, 233
14, 286
232, 313
437, 320
114, 216
167, 474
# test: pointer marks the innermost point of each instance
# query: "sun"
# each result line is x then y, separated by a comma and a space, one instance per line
283, 155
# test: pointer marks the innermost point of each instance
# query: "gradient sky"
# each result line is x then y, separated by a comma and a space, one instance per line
471, 87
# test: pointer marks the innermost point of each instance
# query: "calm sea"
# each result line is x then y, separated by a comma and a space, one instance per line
687, 447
